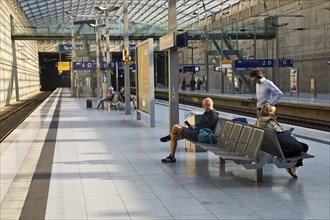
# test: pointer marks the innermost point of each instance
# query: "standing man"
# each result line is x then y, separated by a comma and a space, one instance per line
266, 90
208, 120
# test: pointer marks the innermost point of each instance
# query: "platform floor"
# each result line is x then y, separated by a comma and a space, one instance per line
68, 162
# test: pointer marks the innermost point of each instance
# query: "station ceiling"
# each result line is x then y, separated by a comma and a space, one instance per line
144, 15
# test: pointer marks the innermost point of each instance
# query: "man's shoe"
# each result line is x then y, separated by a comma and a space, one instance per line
293, 172
169, 159
166, 138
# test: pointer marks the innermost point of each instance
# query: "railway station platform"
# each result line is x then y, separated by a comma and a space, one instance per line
68, 162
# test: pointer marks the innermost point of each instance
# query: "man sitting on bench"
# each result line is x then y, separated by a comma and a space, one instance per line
121, 95
109, 97
208, 120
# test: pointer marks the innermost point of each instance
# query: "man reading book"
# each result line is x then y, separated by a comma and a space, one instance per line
208, 120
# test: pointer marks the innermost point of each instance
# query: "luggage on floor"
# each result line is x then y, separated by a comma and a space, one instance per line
89, 103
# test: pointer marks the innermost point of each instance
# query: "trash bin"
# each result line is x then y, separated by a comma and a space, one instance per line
192, 117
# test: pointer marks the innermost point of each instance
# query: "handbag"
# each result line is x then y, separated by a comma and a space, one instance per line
205, 135
289, 144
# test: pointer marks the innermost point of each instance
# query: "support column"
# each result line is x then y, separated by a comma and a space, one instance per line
276, 74
107, 49
98, 75
73, 91
173, 88
126, 67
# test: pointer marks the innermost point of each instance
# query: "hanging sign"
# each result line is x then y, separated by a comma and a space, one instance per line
64, 66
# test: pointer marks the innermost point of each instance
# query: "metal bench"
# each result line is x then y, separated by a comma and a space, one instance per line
249, 146
272, 147
239, 143
113, 104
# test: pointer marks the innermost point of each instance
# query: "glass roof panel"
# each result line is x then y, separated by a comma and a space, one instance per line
147, 12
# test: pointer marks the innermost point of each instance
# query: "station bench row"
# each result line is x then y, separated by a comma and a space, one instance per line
116, 101
249, 146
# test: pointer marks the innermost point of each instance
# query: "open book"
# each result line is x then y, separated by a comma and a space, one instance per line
188, 124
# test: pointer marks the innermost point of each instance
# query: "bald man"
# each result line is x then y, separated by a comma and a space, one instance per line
208, 120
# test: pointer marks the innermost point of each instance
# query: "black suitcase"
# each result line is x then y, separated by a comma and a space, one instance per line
89, 103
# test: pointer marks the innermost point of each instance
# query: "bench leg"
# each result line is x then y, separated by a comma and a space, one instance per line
222, 166
257, 175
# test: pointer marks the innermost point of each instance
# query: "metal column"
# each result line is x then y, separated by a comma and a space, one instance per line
73, 91
126, 67
173, 88
107, 49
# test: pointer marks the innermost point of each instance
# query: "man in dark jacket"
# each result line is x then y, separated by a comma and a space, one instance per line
208, 120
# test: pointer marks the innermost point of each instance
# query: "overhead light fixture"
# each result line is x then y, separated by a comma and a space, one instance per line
94, 25
103, 9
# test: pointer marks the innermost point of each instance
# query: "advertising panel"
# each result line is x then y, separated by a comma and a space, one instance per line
145, 79
293, 80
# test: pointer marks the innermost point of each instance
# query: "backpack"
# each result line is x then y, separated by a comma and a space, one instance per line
206, 135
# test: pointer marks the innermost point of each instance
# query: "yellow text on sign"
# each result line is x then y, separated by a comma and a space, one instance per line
64, 66
226, 62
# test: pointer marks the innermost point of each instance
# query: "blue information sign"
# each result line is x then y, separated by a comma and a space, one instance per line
285, 62
266, 63
254, 63
262, 63
132, 47
68, 47
88, 66
121, 66
192, 69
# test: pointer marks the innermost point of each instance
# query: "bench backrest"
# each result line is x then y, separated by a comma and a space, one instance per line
254, 144
224, 135
219, 126
243, 139
233, 137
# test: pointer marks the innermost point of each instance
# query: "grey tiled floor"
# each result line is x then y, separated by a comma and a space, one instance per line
107, 166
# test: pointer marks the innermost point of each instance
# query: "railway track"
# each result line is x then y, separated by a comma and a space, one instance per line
288, 119
16, 113
303, 122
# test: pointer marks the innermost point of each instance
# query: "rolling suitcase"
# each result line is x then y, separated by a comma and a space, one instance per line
89, 103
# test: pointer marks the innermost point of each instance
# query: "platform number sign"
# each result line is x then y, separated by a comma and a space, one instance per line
88, 66
263, 63
285, 62
266, 63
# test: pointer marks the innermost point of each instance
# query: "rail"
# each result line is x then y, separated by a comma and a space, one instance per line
16, 113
